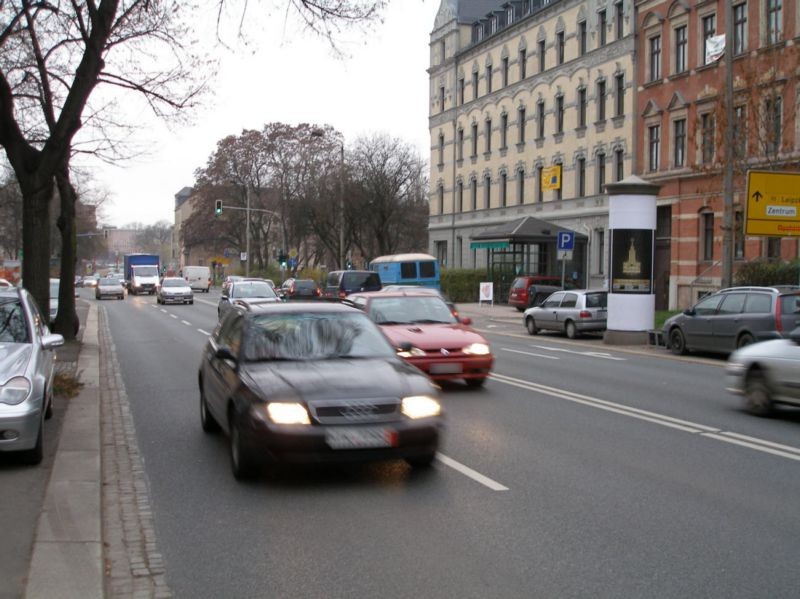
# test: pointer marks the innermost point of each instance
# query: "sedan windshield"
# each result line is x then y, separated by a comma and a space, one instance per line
174, 283
313, 336
254, 289
410, 310
12, 322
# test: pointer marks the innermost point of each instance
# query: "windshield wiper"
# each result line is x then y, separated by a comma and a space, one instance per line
429, 321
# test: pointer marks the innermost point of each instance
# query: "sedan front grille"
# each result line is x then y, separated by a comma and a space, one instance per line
354, 411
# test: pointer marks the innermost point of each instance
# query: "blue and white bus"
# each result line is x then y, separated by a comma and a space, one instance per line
407, 269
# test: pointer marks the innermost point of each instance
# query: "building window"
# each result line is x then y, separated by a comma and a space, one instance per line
619, 165
473, 190
559, 114
740, 131
475, 85
460, 197
774, 117
487, 192
774, 21
679, 149
582, 107
510, 15
442, 49
539, 193
540, 119
600, 244
505, 71
582, 46
488, 79
654, 146
707, 129
655, 58
523, 60
602, 22
440, 193
460, 145
488, 134
503, 189
441, 149
441, 252
601, 101
560, 190
581, 167
620, 94
521, 125
461, 91
738, 235
520, 186
680, 49
601, 171
739, 28
773, 248
707, 235
709, 31
620, 25
441, 99
560, 47
503, 131
474, 140
541, 55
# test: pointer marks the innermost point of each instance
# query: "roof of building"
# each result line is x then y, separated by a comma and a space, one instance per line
524, 230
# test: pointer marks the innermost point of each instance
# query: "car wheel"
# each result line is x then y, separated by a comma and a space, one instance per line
530, 324
242, 464
207, 421
34, 456
677, 342
475, 383
757, 399
745, 339
520, 309
571, 330
191, 301
423, 461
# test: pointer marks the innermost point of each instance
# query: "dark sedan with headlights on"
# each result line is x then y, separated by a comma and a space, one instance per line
313, 382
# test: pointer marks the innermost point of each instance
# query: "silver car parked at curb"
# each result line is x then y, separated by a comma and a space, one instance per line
573, 312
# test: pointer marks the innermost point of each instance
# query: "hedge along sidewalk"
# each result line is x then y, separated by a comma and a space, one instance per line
67, 552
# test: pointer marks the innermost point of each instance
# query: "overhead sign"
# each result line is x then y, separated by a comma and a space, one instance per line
551, 177
566, 240
773, 204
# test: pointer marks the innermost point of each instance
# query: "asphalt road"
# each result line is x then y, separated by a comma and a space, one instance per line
578, 471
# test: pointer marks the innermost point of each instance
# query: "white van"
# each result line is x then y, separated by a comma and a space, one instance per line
198, 277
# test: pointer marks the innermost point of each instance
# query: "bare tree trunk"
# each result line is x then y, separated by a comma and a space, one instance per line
67, 320
38, 192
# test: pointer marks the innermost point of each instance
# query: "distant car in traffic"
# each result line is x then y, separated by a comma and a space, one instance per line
306, 382
245, 289
198, 277
26, 374
571, 312
293, 289
174, 290
766, 374
426, 334
341, 283
110, 287
733, 318
90, 281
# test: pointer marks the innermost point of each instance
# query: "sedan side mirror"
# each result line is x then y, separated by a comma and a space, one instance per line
52, 341
689, 312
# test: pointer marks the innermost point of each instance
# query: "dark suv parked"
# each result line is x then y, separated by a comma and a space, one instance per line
733, 318
341, 283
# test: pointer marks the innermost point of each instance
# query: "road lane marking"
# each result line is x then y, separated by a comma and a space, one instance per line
187, 323
592, 354
173, 316
762, 445
163, 310
470, 473
204, 332
527, 353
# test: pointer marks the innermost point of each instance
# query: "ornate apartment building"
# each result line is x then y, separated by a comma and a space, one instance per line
515, 88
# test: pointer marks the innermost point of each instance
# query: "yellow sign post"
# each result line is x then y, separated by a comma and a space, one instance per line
773, 204
551, 177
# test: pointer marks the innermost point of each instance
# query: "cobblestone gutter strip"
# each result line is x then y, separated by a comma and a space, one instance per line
133, 565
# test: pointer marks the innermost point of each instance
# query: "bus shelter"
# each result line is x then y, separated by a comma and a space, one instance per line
528, 246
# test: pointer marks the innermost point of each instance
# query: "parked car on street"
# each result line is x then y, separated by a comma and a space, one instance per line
522, 297
341, 283
246, 289
425, 333
174, 290
766, 374
110, 287
571, 312
26, 374
734, 317
312, 382
299, 289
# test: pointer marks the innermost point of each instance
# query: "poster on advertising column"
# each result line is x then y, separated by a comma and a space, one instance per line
632, 261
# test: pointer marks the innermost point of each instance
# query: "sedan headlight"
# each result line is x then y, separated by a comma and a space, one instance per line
477, 349
412, 352
420, 406
15, 391
288, 413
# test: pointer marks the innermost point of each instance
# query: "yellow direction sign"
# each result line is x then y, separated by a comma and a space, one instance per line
773, 204
551, 177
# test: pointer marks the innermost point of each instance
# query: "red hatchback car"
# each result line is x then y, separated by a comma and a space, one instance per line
427, 335
520, 294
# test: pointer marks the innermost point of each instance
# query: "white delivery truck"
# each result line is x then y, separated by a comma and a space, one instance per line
198, 277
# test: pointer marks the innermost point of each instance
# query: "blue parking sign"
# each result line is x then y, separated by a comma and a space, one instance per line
566, 240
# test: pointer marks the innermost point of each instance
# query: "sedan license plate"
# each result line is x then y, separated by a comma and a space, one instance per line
446, 368
358, 438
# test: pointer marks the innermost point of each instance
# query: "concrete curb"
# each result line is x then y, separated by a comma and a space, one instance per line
67, 551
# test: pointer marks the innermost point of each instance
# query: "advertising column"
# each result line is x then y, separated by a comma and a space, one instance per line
631, 293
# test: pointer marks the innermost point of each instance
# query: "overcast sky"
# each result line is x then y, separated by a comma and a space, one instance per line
381, 87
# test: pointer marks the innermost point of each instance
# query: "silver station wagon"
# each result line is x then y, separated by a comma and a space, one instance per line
573, 312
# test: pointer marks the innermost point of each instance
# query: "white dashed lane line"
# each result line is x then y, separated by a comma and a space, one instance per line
527, 353
206, 333
187, 323
173, 316
470, 473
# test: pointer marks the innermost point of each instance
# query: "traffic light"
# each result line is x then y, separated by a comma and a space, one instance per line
282, 259
217, 207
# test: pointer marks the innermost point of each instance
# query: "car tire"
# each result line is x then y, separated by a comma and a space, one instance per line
520, 309
242, 463
744, 339
757, 396
571, 330
34, 456
530, 324
475, 383
191, 302
677, 342
207, 421
48, 412
422, 461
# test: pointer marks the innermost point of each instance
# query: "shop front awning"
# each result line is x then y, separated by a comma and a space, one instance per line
525, 230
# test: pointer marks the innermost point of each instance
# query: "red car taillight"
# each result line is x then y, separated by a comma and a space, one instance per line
584, 314
778, 323
317, 291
